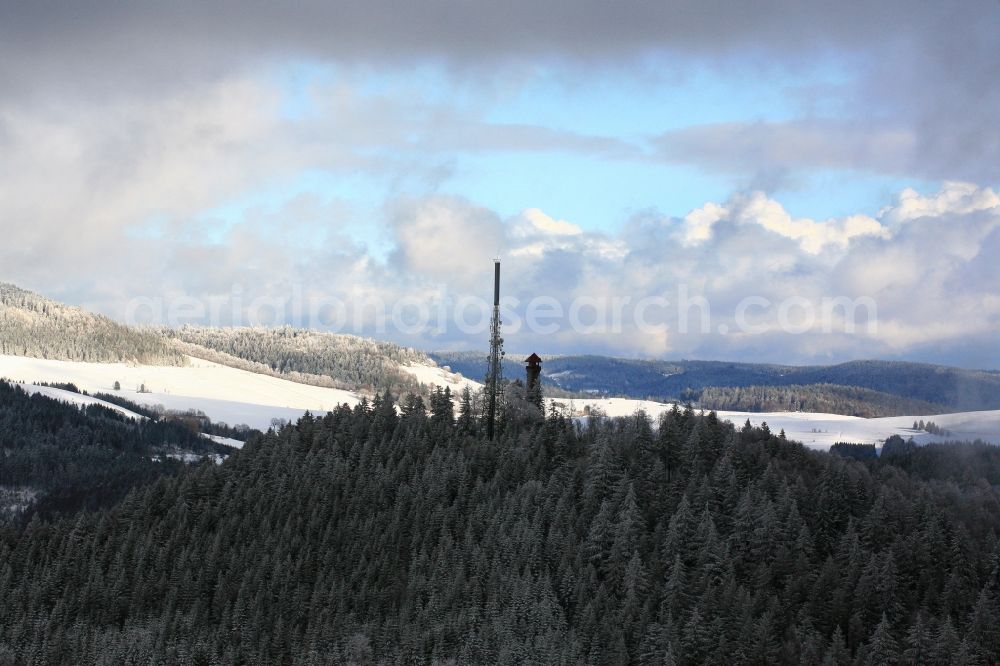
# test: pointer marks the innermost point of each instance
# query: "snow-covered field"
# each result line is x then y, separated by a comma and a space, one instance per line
228, 441
237, 396
75, 398
223, 393
439, 376
821, 431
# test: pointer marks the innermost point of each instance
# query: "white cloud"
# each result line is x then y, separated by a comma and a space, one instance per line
919, 277
922, 279
813, 236
445, 238
698, 223
758, 209
534, 234
534, 222
953, 199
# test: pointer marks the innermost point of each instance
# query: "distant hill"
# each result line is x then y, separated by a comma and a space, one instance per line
954, 388
348, 361
821, 398
31, 325
34, 326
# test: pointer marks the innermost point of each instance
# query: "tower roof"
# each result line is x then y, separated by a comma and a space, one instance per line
534, 358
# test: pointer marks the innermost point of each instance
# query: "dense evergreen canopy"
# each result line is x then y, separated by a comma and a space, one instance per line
370, 537
67, 458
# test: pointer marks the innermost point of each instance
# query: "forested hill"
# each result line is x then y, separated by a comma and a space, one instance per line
350, 362
34, 326
823, 398
31, 325
58, 458
365, 537
951, 389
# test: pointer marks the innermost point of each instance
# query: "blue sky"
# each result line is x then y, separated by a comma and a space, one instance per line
598, 192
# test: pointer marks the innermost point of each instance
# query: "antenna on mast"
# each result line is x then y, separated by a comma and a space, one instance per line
494, 369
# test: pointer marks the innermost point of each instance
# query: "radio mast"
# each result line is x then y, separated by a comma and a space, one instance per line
494, 370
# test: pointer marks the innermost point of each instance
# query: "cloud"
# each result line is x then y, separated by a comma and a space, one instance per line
927, 262
750, 247
537, 223
186, 38
699, 222
126, 131
94, 189
826, 270
444, 238
954, 198
785, 147
918, 101
757, 209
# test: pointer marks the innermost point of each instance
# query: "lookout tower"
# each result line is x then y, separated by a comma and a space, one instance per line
533, 371
533, 385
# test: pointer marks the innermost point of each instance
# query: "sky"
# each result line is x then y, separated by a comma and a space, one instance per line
774, 181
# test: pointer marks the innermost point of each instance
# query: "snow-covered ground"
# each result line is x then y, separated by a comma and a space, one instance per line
439, 376
78, 399
228, 441
74, 398
237, 396
15, 499
607, 406
821, 431
223, 393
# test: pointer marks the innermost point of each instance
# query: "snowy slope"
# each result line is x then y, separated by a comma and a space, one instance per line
821, 431
227, 441
438, 376
223, 393
78, 399
75, 398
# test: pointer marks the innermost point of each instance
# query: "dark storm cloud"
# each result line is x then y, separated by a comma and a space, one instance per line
923, 102
163, 40
923, 107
